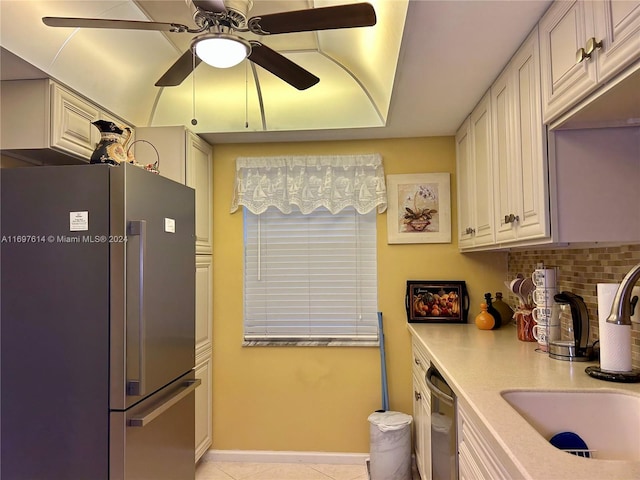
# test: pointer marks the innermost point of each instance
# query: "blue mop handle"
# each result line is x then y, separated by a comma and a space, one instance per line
383, 366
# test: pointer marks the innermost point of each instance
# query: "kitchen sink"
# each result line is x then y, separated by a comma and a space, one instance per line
608, 421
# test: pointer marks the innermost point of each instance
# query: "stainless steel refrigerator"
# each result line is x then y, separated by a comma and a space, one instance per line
98, 324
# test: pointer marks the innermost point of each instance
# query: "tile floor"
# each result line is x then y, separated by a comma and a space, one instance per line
207, 470
210, 470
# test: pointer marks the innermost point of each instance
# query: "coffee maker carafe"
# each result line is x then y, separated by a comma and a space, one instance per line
570, 341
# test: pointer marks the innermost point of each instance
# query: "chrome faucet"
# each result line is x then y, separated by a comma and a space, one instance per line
621, 306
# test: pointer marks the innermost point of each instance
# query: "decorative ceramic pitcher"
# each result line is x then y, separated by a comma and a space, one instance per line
110, 149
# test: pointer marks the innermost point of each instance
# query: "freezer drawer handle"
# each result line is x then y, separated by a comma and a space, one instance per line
149, 417
139, 228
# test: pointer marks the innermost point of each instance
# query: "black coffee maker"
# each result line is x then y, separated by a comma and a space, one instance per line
571, 341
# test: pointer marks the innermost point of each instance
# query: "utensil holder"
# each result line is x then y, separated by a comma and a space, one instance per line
524, 326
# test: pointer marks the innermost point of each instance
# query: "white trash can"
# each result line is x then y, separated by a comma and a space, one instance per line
390, 446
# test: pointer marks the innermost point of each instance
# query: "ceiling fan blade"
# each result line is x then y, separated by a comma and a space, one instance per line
325, 18
214, 6
281, 66
179, 70
119, 24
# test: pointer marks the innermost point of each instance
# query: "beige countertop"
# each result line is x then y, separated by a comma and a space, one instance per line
479, 364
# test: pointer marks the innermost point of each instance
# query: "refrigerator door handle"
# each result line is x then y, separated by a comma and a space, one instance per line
139, 228
146, 418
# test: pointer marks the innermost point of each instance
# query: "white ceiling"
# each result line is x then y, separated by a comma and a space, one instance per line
376, 82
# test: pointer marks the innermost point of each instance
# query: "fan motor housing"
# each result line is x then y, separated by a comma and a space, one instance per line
237, 11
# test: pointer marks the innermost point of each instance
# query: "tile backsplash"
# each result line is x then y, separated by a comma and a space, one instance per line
579, 271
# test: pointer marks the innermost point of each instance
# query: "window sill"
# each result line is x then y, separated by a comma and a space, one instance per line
309, 343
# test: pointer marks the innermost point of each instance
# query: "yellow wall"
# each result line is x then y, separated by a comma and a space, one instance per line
319, 398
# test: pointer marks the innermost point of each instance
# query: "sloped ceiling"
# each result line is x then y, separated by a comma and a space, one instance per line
117, 68
418, 72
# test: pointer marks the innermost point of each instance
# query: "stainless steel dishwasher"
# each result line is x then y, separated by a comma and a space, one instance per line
444, 458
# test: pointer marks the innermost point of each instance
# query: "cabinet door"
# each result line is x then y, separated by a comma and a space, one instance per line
422, 428
482, 202
618, 27
165, 145
564, 29
504, 165
200, 177
476, 458
71, 123
465, 185
529, 186
204, 427
204, 303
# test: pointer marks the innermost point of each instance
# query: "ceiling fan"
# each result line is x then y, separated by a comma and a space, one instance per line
217, 23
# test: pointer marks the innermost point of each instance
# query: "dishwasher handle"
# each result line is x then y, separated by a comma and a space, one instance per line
433, 372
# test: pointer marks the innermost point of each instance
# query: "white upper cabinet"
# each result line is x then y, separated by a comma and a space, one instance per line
199, 173
71, 123
502, 99
480, 123
564, 29
466, 185
187, 159
44, 122
582, 45
617, 25
474, 171
519, 149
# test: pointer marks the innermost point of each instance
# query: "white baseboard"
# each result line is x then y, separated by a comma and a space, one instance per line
266, 456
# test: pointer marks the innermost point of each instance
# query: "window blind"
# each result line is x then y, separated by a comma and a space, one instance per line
310, 277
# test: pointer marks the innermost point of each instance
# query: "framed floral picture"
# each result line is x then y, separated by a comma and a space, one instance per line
419, 208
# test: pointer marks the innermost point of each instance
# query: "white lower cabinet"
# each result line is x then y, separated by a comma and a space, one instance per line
204, 427
204, 303
204, 338
479, 455
478, 458
421, 412
422, 428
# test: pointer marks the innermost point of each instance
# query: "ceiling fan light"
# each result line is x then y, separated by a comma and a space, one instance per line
221, 50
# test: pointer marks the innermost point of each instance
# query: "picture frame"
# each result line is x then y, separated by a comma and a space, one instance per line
419, 208
445, 301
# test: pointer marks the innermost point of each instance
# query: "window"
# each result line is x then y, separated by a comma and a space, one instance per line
310, 267
310, 278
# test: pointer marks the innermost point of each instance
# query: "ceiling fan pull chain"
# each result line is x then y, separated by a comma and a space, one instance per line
193, 86
246, 94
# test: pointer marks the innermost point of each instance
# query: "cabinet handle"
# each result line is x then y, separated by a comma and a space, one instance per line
585, 53
470, 231
592, 45
511, 218
581, 55
416, 360
417, 395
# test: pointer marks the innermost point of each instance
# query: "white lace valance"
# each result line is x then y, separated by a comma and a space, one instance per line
310, 182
